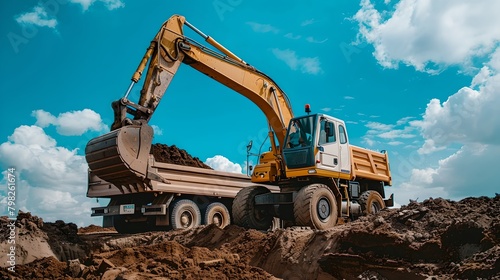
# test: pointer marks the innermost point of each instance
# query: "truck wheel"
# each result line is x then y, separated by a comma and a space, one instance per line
315, 206
217, 213
247, 214
185, 214
371, 202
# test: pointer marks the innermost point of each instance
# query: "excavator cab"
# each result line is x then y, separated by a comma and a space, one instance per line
299, 148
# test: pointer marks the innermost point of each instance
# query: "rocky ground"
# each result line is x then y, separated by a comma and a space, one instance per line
433, 239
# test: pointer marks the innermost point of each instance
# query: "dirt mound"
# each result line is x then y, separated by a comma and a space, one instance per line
171, 259
37, 239
64, 241
438, 237
174, 155
30, 241
93, 229
165, 259
434, 239
45, 268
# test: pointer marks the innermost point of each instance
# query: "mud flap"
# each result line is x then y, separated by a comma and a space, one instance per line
389, 202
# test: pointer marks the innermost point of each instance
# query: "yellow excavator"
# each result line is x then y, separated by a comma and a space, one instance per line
323, 180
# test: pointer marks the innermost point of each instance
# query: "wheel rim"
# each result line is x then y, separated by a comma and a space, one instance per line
259, 214
217, 219
323, 208
375, 207
186, 219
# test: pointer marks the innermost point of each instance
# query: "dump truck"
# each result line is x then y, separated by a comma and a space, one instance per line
192, 196
311, 176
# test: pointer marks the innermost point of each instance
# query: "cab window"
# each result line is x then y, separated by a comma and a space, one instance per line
342, 134
327, 132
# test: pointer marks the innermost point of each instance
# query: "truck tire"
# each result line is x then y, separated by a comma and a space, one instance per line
217, 213
246, 214
185, 214
315, 206
371, 202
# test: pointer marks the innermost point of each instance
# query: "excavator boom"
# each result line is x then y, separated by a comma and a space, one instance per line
121, 156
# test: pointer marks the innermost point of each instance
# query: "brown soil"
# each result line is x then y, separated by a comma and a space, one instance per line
93, 229
174, 155
434, 239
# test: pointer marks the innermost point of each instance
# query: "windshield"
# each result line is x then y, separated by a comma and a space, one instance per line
300, 132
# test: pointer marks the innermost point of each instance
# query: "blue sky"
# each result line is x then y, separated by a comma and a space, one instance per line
418, 79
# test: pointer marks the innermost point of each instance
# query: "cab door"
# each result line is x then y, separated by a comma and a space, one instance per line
345, 151
328, 146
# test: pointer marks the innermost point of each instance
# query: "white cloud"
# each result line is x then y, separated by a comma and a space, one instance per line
110, 4
308, 65
404, 120
347, 97
466, 116
311, 39
157, 130
429, 147
465, 173
481, 77
382, 134
292, 36
52, 180
221, 163
397, 133
430, 35
379, 126
308, 22
467, 119
368, 141
71, 123
263, 28
326, 109
38, 17
31, 136
469, 172
414, 189
113, 4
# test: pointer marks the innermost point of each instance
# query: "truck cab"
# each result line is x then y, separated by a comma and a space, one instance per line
317, 145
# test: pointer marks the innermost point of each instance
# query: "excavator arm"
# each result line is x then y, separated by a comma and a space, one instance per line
121, 156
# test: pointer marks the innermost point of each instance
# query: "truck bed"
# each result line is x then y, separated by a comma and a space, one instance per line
183, 180
370, 164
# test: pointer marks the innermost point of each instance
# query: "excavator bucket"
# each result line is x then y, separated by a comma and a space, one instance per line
121, 156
